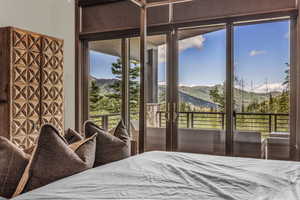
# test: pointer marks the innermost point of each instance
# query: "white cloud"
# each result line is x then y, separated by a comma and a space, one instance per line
193, 42
262, 88
271, 87
195, 85
162, 83
257, 52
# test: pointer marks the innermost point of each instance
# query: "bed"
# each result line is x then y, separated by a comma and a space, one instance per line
171, 175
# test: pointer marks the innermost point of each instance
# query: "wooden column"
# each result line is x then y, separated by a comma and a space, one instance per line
125, 81
78, 68
152, 76
296, 40
229, 90
293, 89
172, 83
143, 93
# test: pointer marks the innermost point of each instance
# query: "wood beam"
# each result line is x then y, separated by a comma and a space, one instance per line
125, 81
78, 68
143, 93
293, 89
229, 90
139, 3
296, 39
166, 2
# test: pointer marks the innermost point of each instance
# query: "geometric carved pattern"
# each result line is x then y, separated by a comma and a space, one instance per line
36, 85
25, 103
52, 106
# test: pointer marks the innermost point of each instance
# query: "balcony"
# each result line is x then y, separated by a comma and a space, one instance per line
204, 132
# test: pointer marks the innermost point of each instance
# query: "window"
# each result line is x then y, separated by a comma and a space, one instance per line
105, 82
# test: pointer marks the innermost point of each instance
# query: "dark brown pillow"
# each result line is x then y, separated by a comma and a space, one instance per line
53, 159
109, 147
72, 136
13, 162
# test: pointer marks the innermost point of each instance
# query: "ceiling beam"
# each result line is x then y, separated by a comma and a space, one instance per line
166, 3
139, 3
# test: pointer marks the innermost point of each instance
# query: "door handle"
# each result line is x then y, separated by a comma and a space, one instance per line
175, 113
167, 113
234, 113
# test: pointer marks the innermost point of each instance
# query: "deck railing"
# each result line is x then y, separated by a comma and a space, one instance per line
263, 122
109, 121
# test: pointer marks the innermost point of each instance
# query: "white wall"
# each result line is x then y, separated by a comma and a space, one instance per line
54, 18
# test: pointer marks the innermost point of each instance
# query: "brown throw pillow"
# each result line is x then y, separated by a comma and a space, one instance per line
72, 136
53, 159
13, 162
109, 147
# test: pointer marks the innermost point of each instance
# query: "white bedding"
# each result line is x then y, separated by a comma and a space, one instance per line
170, 175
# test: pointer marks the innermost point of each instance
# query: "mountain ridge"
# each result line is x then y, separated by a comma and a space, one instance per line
198, 95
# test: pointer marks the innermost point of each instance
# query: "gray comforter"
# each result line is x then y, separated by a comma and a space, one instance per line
166, 175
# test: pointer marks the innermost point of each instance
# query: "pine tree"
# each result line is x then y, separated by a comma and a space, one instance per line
287, 76
94, 97
217, 97
134, 87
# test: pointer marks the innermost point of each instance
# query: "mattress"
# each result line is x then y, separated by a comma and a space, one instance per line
171, 175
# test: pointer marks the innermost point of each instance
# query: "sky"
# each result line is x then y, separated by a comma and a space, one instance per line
260, 54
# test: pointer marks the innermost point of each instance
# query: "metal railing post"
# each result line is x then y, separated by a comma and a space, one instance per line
192, 121
270, 123
105, 122
223, 121
275, 123
188, 120
159, 118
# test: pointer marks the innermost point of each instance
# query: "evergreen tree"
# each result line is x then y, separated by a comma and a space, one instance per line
253, 107
134, 86
283, 102
94, 97
287, 76
217, 97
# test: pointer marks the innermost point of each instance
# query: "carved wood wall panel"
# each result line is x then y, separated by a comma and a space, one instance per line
52, 82
25, 100
34, 85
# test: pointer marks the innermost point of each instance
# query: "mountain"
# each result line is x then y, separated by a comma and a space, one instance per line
199, 95
104, 83
202, 92
183, 97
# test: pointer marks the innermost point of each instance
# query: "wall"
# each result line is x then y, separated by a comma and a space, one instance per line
54, 18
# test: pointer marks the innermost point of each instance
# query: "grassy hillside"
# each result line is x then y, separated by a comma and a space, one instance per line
198, 95
202, 92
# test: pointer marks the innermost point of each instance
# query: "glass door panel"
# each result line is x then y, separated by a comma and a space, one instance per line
105, 82
261, 90
201, 91
156, 91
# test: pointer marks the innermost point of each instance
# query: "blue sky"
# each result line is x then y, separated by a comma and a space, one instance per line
261, 52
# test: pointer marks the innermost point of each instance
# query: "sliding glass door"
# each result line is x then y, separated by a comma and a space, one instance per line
221, 89
256, 61
156, 87
114, 87
262, 90
201, 91
105, 81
